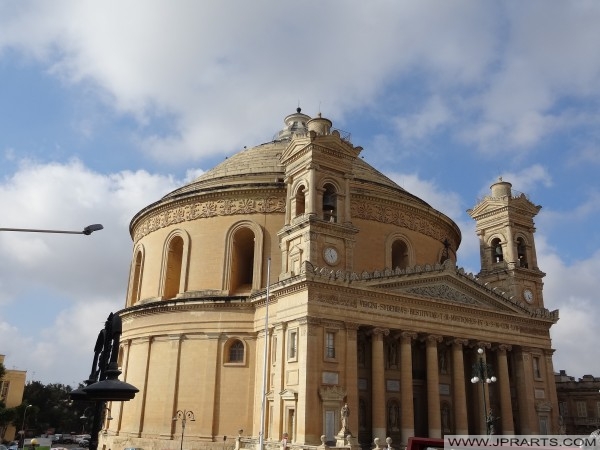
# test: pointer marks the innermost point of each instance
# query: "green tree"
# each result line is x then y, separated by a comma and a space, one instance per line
52, 409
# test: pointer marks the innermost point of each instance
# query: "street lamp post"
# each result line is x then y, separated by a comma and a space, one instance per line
184, 416
483, 374
103, 384
108, 339
87, 230
22, 432
84, 419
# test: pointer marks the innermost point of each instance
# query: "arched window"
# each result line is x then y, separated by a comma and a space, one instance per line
236, 352
497, 253
522, 253
400, 254
242, 259
136, 278
300, 201
173, 270
329, 203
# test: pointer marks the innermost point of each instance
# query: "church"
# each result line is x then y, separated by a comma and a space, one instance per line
294, 290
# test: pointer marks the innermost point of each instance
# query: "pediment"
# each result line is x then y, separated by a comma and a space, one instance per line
321, 147
448, 285
493, 204
444, 283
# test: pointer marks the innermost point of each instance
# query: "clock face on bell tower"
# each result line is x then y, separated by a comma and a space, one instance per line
330, 255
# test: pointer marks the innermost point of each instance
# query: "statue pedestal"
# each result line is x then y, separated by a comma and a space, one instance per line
340, 439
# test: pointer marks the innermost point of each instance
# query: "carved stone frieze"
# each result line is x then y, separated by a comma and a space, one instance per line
209, 208
411, 219
442, 291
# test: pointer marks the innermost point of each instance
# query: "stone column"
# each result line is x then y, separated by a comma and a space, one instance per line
433, 386
347, 218
458, 387
278, 340
139, 420
173, 361
352, 375
378, 375
551, 389
288, 202
407, 417
116, 408
209, 373
312, 207
506, 415
525, 392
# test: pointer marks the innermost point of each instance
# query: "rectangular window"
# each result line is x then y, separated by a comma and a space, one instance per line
562, 409
293, 344
274, 350
329, 345
598, 410
581, 409
4, 390
536, 367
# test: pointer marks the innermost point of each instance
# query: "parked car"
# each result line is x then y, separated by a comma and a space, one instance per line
82, 438
3, 447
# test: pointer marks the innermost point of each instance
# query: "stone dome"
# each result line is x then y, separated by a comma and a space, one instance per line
262, 165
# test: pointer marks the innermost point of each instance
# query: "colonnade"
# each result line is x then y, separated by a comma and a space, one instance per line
516, 389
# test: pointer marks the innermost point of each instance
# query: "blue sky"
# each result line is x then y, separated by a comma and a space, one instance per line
107, 106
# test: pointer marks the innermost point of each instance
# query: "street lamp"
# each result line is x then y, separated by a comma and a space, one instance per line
87, 230
183, 416
483, 374
103, 384
22, 432
84, 419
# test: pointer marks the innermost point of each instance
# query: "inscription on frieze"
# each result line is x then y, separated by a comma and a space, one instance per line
437, 316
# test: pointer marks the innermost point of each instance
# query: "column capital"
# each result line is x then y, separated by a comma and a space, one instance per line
433, 339
458, 342
503, 348
484, 345
407, 336
352, 325
377, 331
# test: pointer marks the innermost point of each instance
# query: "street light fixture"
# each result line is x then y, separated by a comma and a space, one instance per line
184, 416
22, 432
87, 230
483, 374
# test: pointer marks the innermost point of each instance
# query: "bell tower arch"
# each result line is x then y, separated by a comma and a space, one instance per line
505, 226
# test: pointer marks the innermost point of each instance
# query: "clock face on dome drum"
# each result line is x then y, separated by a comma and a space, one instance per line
528, 295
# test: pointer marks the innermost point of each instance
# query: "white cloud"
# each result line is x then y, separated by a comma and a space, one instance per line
67, 281
434, 115
573, 289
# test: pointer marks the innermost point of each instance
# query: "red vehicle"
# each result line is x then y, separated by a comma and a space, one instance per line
420, 443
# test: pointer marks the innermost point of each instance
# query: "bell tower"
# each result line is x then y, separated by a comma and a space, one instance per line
505, 227
318, 224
